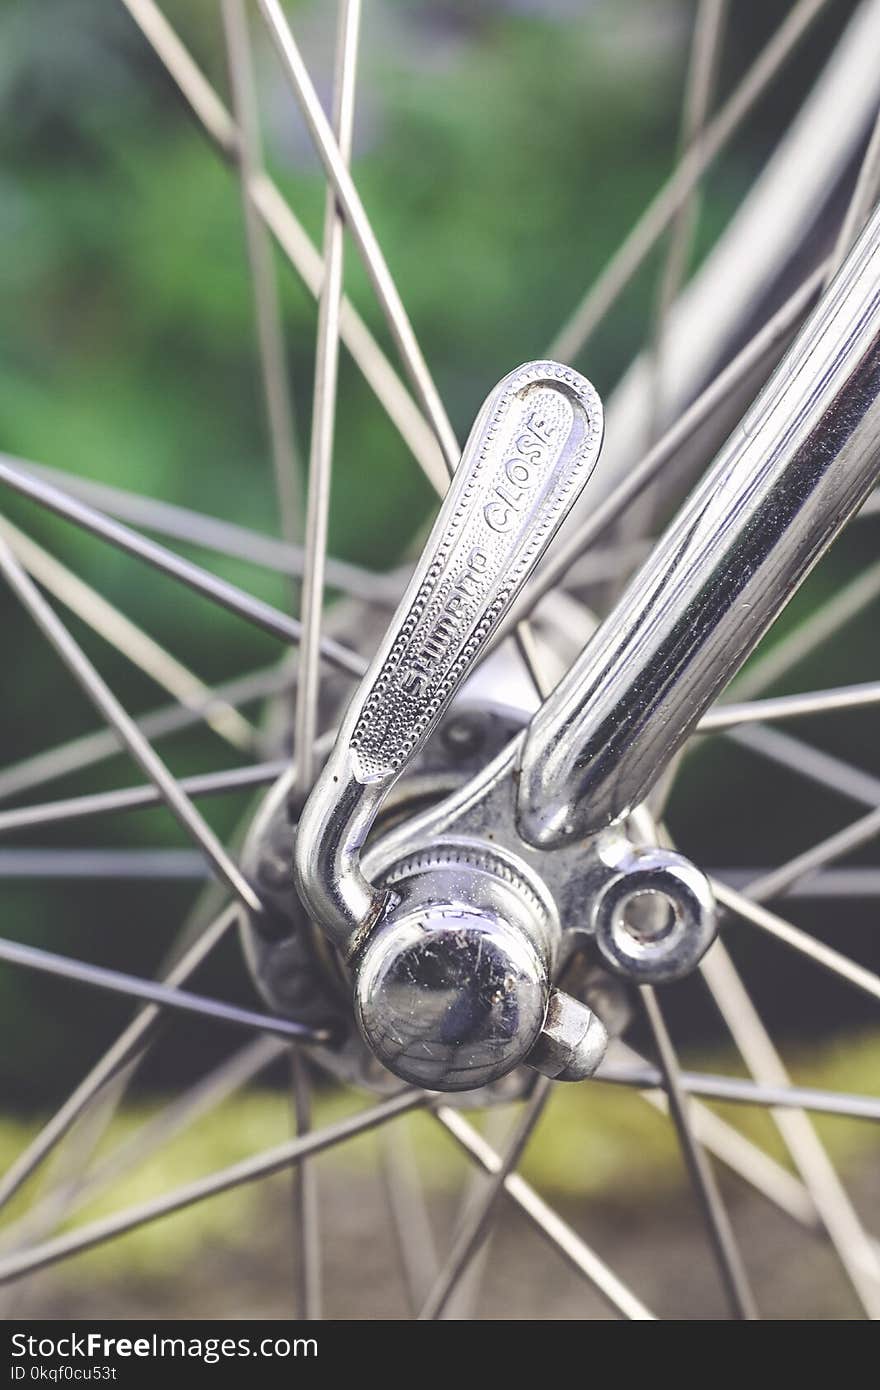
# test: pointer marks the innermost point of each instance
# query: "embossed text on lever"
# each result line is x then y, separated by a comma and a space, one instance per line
532, 448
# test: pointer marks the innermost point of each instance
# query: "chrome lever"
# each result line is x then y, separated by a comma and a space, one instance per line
452, 961
533, 446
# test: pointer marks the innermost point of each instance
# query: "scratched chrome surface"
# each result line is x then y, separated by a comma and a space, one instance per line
533, 447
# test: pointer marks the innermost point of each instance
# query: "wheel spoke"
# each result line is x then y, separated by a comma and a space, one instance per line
830, 885
742, 1092
727, 716
86, 751
136, 798
634, 249
727, 1256
117, 1056
800, 941
130, 640
130, 735
149, 1138
851, 837
827, 771
861, 204
410, 1220
496, 1131
324, 413
732, 1148
292, 238
131, 986
766, 343
101, 864
226, 537
264, 289
476, 1225
236, 1175
823, 624
362, 232
706, 42
309, 1297
550, 1225
261, 614
854, 1248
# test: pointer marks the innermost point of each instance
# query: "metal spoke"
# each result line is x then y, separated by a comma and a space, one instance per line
476, 1225
562, 1238
727, 1256
854, 1248
777, 881
117, 1056
864, 196
738, 1153
827, 771
129, 734
815, 884
741, 1092
136, 798
236, 1175
727, 716
823, 624
193, 576
461, 1307
175, 1117
291, 237
359, 226
126, 637
825, 956
637, 245
410, 1220
758, 351
708, 33
101, 864
267, 312
89, 749
227, 537
830, 772
305, 1194
324, 412
131, 986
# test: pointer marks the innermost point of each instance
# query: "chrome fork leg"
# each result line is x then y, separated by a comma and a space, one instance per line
800, 463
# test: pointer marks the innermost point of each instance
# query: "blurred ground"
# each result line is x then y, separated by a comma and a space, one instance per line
658, 1252
607, 1161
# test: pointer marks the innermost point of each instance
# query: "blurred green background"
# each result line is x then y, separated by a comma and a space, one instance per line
502, 151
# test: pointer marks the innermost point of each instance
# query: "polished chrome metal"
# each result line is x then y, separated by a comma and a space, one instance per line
656, 919
532, 448
571, 1043
802, 461
308, 985
650, 910
452, 986
452, 955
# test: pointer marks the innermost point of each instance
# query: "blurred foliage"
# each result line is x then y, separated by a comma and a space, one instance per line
503, 150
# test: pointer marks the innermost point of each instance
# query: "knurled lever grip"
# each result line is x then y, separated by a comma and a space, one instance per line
534, 445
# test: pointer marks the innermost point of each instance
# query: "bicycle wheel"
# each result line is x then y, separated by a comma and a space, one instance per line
713, 340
